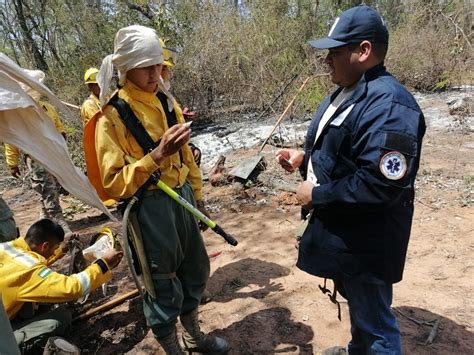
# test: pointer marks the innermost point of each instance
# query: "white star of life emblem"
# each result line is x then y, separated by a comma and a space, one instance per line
393, 165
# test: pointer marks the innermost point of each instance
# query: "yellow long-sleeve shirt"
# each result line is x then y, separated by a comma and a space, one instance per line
114, 142
12, 153
89, 108
25, 277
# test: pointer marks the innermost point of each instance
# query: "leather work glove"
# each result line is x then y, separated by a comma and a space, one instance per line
201, 207
15, 171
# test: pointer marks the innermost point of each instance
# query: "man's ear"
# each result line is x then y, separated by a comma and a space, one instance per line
365, 51
44, 246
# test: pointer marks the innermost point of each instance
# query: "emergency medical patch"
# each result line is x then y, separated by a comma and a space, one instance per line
393, 165
44, 272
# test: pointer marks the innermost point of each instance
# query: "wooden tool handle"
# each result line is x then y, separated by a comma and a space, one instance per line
283, 114
110, 304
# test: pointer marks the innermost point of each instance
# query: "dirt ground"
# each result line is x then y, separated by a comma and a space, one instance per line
261, 303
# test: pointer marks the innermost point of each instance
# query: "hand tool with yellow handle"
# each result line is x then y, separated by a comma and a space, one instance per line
190, 208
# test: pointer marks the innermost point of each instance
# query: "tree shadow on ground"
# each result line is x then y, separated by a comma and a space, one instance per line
451, 337
225, 283
112, 333
268, 331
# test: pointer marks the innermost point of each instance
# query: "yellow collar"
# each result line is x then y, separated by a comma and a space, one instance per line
20, 243
135, 93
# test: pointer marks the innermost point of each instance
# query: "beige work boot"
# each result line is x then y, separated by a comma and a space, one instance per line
196, 341
171, 345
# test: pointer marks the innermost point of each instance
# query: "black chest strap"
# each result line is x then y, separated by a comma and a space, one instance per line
136, 128
170, 115
142, 137
133, 124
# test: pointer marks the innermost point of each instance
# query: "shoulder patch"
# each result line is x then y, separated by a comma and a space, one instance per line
44, 272
393, 165
400, 142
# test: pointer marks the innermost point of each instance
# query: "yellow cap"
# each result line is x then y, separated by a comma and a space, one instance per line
168, 54
90, 76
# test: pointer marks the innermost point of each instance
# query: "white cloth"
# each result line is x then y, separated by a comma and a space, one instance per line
25, 125
38, 75
134, 47
333, 106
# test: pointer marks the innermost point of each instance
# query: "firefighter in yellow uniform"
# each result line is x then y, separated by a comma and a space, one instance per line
174, 248
91, 105
25, 278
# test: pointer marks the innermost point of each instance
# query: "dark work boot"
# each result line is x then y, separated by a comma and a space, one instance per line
171, 345
196, 341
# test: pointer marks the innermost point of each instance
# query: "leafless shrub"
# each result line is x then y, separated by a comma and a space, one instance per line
429, 50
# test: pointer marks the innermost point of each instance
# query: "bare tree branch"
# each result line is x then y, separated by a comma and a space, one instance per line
144, 9
31, 45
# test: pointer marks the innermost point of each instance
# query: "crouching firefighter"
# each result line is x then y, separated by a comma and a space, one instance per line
168, 244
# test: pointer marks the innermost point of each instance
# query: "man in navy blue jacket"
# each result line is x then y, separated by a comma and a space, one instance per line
360, 161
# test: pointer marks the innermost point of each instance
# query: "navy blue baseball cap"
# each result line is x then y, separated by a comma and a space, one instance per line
359, 23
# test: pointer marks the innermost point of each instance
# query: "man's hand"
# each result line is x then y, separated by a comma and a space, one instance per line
201, 207
304, 194
188, 114
112, 257
290, 159
70, 241
15, 171
64, 246
173, 139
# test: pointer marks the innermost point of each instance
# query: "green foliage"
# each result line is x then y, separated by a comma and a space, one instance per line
236, 56
314, 93
441, 85
231, 59
427, 49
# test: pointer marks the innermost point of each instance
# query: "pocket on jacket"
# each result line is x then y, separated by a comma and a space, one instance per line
326, 165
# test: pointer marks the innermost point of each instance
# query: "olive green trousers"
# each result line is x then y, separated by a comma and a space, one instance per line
176, 256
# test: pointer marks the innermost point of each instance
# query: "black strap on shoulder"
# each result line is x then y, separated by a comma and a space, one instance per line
133, 124
140, 134
170, 115
136, 128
